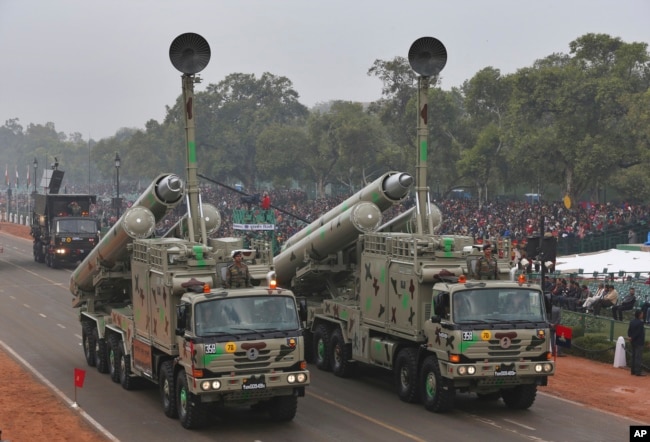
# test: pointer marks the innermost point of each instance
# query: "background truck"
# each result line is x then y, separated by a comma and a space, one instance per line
154, 308
62, 228
397, 295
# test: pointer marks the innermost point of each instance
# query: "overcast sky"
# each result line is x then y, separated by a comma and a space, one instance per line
93, 66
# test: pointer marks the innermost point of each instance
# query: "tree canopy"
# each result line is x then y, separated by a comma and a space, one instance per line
569, 124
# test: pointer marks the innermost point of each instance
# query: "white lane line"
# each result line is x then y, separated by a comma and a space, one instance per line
520, 424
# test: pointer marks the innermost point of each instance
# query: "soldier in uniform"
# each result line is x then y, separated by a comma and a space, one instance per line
237, 274
486, 267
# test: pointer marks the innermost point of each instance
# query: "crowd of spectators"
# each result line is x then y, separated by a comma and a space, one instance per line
494, 219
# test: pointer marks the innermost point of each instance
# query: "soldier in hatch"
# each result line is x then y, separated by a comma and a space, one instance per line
486, 267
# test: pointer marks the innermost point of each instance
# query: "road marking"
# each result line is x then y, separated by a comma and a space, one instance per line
520, 424
60, 325
27, 306
366, 417
42, 315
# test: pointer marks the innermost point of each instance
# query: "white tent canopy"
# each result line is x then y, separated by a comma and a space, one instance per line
613, 260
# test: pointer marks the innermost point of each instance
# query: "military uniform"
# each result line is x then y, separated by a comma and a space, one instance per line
486, 268
237, 276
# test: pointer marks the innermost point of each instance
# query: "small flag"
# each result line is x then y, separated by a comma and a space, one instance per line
563, 336
17, 179
7, 174
79, 376
29, 181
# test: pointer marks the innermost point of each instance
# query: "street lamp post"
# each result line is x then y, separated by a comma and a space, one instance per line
35, 172
118, 162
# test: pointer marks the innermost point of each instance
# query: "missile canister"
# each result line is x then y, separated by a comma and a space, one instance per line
386, 190
407, 222
333, 236
164, 193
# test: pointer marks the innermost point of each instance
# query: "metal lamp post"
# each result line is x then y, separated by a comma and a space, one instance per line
118, 162
35, 172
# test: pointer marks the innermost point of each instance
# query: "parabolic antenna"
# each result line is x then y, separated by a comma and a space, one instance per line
189, 53
427, 56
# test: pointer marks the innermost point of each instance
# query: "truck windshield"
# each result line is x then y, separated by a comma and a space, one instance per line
76, 226
505, 304
246, 314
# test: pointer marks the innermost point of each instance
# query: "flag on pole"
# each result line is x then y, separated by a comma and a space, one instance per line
7, 174
29, 181
17, 179
79, 376
563, 335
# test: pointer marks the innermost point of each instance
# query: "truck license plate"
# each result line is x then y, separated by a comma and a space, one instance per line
254, 383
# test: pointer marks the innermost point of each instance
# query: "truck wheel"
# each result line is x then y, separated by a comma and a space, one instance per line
321, 347
128, 382
283, 408
191, 412
39, 256
406, 374
341, 356
88, 343
521, 397
101, 353
167, 389
114, 343
437, 392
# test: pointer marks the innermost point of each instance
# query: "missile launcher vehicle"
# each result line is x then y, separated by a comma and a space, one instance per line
417, 303
158, 309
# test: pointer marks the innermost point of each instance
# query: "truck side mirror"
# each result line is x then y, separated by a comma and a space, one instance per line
181, 319
302, 309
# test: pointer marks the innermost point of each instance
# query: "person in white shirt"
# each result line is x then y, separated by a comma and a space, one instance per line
595, 297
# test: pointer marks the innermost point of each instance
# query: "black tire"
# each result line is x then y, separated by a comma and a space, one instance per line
114, 344
321, 347
406, 374
128, 382
101, 352
521, 397
191, 412
341, 355
167, 388
283, 408
88, 343
39, 256
437, 393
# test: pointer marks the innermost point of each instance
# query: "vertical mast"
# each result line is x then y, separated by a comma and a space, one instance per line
190, 54
427, 57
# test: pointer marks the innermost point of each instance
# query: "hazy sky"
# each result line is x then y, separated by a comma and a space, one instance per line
94, 66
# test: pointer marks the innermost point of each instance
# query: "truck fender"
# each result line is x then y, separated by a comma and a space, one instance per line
332, 324
110, 329
96, 321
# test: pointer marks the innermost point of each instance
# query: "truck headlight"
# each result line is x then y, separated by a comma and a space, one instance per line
302, 378
216, 385
291, 378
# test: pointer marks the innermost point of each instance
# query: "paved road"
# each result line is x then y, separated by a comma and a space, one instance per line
38, 323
